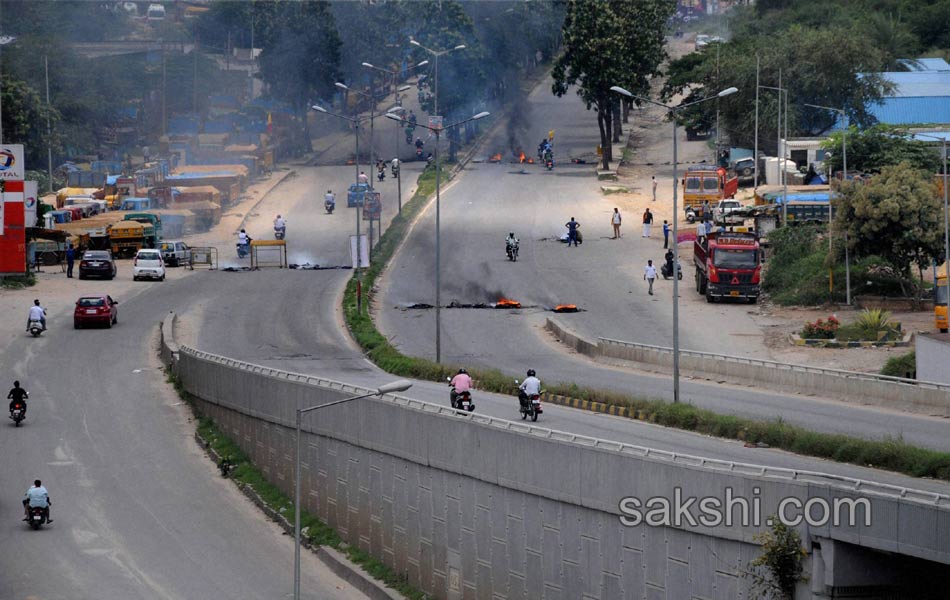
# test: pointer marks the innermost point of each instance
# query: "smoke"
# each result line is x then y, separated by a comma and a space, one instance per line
517, 128
472, 290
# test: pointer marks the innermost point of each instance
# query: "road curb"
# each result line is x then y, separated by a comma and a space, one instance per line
334, 560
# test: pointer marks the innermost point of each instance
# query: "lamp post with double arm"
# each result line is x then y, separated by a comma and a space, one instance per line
436, 54
400, 385
672, 113
438, 243
946, 225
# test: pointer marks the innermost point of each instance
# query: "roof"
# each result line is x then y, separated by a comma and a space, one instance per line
912, 110
924, 64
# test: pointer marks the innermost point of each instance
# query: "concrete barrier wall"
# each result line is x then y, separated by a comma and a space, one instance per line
920, 397
475, 507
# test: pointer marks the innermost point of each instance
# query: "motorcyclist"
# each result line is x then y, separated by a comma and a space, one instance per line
37, 496
363, 178
395, 167
541, 148
244, 242
460, 383
510, 242
529, 387
16, 396
419, 144
669, 261
280, 224
37, 313
412, 118
329, 200
380, 170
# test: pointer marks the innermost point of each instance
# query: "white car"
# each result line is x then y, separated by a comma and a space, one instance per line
723, 213
148, 264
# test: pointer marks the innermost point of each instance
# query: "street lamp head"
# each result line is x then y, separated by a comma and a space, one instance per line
727, 92
341, 86
318, 108
366, 64
404, 88
400, 385
480, 115
415, 43
620, 90
459, 47
393, 116
422, 64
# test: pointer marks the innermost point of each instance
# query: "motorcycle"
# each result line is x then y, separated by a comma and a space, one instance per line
529, 405
381, 174
395, 171
280, 233
511, 248
17, 413
329, 205
418, 152
36, 328
549, 160
244, 249
38, 516
410, 131
666, 270
462, 400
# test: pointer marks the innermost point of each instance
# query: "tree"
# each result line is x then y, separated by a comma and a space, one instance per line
607, 44
896, 215
24, 119
872, 149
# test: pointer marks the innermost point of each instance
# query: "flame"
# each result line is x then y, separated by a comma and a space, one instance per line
565, 308
521, 157
530, 161
507, 303
495, 157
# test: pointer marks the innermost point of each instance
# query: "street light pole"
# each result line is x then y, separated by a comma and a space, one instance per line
676, 327
438, 242
436, 54
946, 214
389, 388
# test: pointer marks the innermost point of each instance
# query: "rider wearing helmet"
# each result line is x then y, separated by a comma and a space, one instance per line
37, 313
460, 383
16, 396
529, 387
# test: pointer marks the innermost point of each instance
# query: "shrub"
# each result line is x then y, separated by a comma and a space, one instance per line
904, 365
821, 330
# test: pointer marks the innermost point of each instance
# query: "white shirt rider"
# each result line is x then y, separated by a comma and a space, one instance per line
280, 223
37, 313
38, 496
242, 238
531, 386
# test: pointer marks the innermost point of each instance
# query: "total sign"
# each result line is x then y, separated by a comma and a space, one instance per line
11, 162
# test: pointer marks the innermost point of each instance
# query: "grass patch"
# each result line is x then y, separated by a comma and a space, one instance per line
18, 282
892, 455
312, 528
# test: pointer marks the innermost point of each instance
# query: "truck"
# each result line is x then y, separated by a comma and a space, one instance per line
128, 237
728, 265
941, 294
117, 188
149, 219
706, 185
136, 204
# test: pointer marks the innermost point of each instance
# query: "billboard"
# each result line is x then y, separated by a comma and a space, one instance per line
31, 198
13, 238
11, 162
372, 206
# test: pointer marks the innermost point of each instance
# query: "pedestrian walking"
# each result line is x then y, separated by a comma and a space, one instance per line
649, 275
707, 212
654, 187
615, 221
572, 227
666, 233
708, 228
647, 222
70, 259
701, 232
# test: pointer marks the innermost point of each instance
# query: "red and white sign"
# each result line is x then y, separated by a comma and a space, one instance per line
31, 198
11, 162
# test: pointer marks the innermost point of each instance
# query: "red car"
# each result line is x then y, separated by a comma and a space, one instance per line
95, 309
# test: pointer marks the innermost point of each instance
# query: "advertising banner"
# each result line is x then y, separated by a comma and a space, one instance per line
30, 200
11, 162
372, 206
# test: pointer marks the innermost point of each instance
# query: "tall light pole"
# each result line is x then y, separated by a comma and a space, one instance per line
438, 243
779, 145
676, 303
436, 54
946, 225
372, 114
356, 126
844, 179
389, 388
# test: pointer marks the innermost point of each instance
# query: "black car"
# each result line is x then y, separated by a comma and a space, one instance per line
97, 263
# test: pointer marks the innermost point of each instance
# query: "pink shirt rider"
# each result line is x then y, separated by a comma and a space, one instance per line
462, 383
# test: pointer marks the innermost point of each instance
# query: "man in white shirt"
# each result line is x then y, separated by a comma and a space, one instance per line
37, 313
529, 387
280, 223
649, 274
363, 177
36, 496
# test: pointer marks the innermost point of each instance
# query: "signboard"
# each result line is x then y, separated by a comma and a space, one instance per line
11, 162
372, 206
364, 251
30, 200
435, 122
13, 238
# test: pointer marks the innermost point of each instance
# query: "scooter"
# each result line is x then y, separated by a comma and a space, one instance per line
244, 249
17, 413
280, 233
36, 328
462, 400
418, 152
549, 160
511, 248
666, 270
329, 205
381, 174
38, 516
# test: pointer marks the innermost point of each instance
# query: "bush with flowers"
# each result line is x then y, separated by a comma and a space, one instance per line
821, 330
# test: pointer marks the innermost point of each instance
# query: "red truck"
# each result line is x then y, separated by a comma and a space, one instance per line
728, 265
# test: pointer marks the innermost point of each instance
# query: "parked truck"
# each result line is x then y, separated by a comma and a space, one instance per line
149, 219
128, 237
728, 265
117, 188
706, 185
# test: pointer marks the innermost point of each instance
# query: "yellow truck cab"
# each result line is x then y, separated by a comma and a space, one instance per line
940, 301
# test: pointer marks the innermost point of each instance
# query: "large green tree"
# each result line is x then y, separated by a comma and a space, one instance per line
896, 215
872, 149
606, 44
